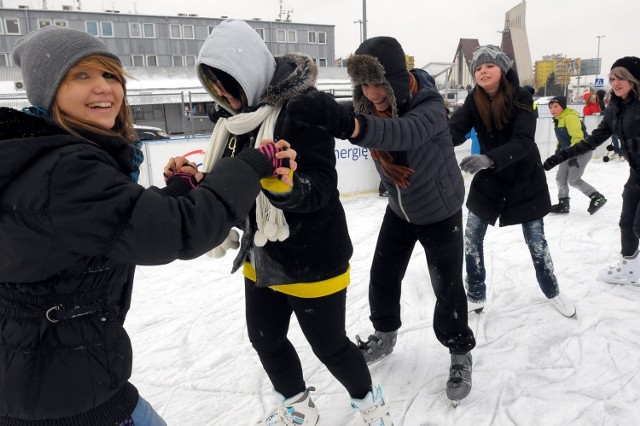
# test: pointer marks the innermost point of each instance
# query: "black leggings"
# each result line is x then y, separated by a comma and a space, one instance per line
630, 216
322, 320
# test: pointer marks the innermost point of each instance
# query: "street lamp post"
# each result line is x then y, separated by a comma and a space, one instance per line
598, 55
359, 21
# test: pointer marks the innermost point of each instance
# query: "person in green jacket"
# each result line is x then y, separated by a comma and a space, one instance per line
570, 130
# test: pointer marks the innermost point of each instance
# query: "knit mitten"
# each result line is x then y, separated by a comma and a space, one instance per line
179, 184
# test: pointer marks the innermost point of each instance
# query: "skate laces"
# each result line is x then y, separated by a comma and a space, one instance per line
287, 415
372, 410
456, 373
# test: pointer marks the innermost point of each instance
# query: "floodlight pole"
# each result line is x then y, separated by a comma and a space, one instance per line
598, 55
364, 20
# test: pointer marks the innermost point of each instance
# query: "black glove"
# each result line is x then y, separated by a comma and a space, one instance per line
566, 153
179, 185
320, 109
573, 162
263, 160
474, 163
216, 112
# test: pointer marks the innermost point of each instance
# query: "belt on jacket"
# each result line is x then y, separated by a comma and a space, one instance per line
59, 313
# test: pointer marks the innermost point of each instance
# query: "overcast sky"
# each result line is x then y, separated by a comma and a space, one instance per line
427, 29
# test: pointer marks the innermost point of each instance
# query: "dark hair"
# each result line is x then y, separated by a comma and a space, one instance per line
496, 112
229, 83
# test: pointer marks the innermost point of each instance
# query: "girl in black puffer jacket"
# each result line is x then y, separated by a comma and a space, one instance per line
621, 118
73, 225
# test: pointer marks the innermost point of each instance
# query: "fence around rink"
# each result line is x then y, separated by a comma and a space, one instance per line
356, 172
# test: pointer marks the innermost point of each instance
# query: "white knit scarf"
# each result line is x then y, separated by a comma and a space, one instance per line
272, 225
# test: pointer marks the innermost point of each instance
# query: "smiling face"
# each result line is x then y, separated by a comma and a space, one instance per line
89, 94
236, 104
488, 77
377, 94
620, 86
555, 109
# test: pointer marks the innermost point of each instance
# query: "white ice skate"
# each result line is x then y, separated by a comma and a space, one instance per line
373, 409
627, 271
563, 305
297, 410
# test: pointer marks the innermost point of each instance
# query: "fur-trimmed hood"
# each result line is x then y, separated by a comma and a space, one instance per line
379, 60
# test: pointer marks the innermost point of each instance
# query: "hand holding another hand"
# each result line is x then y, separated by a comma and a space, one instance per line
474, 163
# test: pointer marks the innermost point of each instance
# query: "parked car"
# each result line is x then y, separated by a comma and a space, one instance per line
149, 133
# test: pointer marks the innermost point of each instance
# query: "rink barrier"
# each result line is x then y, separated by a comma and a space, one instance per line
356, 172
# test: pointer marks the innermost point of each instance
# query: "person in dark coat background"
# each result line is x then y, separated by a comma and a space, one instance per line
295, 248
403, 120
622, 118
73, 225
509, 182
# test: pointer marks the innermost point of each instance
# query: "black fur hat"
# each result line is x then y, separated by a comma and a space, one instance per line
379, 60
631, 63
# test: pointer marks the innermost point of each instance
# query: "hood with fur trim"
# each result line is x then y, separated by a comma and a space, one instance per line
379, 60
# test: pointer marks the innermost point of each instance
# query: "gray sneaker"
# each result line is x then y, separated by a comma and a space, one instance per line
379, 345
459, 383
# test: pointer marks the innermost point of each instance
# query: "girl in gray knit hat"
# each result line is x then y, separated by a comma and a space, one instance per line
509, 182
73, 225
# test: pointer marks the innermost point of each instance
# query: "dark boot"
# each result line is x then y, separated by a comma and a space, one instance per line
562, 206
597, 201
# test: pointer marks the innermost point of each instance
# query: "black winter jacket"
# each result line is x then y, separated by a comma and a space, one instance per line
621, 118
318, 247
515, 189
419, 139
73, 226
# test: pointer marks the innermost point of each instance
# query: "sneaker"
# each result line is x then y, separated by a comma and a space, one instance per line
379, 345
626, 271
459, 383
563, 305
597, 201
297, 410
373, 409
474, 306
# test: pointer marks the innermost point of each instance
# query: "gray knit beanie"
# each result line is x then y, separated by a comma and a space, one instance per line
490, 54
46, 55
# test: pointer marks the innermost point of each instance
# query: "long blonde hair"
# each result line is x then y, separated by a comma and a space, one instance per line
124, 124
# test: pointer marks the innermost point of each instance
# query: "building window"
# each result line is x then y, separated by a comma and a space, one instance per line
60, 23
322, 37
292, 36
152, 61
134, 30
177, 61
1, 27
44, 23
137, 60
260, 32
4, 60
322, 62
313, 37
188, 32
12, 25
149, 30
175, 31
92, 28
106, 29
281, 36
190, 60
211, 27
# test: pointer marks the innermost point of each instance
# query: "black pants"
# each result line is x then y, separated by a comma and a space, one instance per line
322, 320
443, 246
630, 216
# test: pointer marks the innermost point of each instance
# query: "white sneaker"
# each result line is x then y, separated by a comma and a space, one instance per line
476, 307
627, 271
563, 305
297, 410
373, 409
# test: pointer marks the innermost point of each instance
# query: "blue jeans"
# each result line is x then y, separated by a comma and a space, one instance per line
474, 257
145, 415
